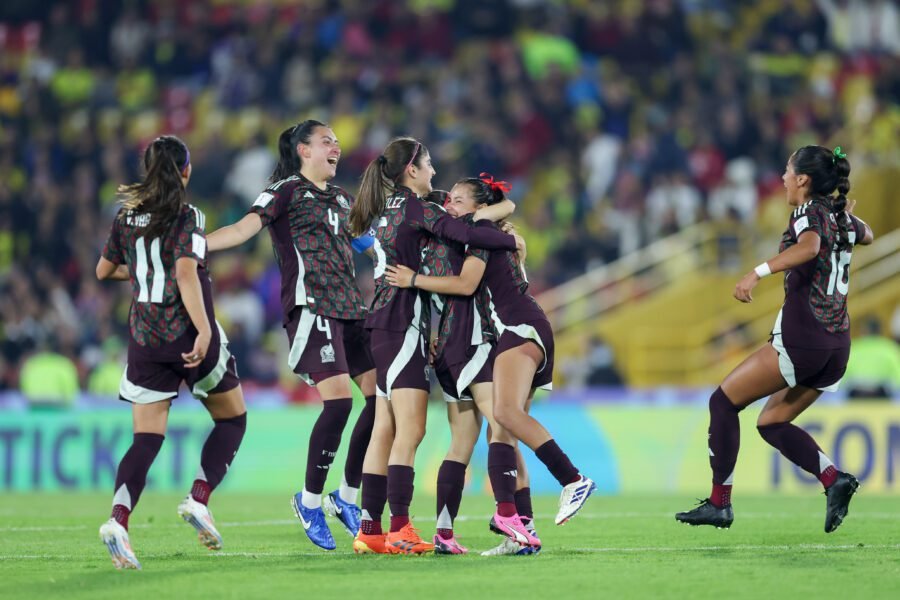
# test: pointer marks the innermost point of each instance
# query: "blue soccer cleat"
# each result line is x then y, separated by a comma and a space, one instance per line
345, 512
314, 524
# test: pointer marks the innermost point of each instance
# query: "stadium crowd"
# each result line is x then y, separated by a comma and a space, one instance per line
617, 123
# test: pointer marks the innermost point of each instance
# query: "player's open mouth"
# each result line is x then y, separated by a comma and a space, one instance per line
333, 160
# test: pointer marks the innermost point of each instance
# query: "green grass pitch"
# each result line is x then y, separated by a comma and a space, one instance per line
616, 547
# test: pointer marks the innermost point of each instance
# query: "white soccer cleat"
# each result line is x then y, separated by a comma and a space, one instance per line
199, 517
509, 547
573, 497
115, 537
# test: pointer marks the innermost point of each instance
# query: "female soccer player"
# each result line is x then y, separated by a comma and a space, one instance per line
464, 357
810, 342
391, 193
158, 243
323, 311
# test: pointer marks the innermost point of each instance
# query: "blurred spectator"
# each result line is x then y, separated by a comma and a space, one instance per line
874, 367
614, 120
49, 379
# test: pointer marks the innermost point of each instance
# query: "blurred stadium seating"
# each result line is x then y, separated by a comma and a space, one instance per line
634, 182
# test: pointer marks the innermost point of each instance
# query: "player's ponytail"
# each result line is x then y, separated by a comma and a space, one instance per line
829, 172
381, 178
289, 162
161, 193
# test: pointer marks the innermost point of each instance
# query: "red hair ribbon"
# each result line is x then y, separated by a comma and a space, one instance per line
503, 186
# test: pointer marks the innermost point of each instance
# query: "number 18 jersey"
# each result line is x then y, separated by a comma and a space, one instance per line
814, 314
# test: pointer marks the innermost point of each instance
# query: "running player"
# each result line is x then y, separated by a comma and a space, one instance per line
323, 311
463, 360
810, 342
158, 243
391, 193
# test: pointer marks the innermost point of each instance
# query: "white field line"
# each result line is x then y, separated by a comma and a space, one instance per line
599, 550
462, 518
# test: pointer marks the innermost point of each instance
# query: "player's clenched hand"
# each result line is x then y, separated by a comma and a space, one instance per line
521, 249
198, 353
744, 287
399, 276
851, 204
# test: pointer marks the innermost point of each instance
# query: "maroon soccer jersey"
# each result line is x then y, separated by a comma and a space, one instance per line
814, 314
309, 233
158, 315
461, 325
507, 287
403, 231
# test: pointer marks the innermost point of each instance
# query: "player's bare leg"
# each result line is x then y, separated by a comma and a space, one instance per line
514, 371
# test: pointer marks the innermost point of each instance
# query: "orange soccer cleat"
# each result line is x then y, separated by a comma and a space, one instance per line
369, 543
407, 541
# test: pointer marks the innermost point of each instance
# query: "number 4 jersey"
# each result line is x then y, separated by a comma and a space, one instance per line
309, 232
814, 314
157, 315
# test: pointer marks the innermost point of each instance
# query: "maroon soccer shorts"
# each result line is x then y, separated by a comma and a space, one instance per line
322, 344
539, 332
400, 360
455, 379
155, 374
821, 369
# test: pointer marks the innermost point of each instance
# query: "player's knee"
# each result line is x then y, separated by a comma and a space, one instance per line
505, 415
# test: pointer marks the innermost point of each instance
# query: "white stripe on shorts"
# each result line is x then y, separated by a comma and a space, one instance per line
301, 338
784, 361
202, 387
141, 395
411, 341
472, 368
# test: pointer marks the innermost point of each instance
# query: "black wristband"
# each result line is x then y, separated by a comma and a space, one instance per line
412, 282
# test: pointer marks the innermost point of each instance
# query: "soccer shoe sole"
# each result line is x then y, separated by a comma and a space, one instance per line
209, 538
360, 547
590, 491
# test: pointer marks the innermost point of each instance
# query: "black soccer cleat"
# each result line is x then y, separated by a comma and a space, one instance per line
838, 498
708, 514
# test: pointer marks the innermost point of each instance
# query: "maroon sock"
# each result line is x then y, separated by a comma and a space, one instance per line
801, 449
557, 463
502, 472
131, 476
523, 504
400, 493
121, 513
451, 480
324, 441
359, 443
720, 495
374, 496
200, 491
724, 443
219, 450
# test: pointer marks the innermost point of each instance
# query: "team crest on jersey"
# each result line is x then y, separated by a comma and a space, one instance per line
327, 353
343, 202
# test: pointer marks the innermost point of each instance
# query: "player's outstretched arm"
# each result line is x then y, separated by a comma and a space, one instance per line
234, 235
463, 284
806, 249
192, 295
106, 269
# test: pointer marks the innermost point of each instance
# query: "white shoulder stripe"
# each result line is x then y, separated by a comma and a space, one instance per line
278, 184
